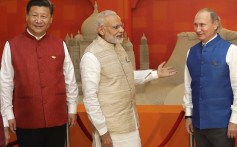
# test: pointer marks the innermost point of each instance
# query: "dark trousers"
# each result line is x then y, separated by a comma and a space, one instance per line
43, 137
212, 138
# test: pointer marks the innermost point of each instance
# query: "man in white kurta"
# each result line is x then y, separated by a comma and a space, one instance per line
108, 84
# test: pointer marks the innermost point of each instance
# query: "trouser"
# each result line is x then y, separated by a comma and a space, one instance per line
42, 137
212, 138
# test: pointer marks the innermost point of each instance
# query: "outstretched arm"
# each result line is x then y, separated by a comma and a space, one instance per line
165, 71
143, 76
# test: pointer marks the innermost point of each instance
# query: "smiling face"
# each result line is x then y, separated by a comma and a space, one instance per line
38, 20
204, 26
112, 31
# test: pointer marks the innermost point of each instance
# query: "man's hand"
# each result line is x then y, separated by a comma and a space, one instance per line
12, 125
106, 140
189, 125
72, 118
232, 130
7, 135
165, 71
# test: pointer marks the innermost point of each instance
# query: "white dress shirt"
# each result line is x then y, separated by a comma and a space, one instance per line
231, 60
90, 71
7, 85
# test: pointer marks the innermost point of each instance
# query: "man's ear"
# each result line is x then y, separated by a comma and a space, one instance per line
216, 24
101, 30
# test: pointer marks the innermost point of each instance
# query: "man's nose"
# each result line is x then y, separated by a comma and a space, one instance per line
121, 29
38, 19
198, 29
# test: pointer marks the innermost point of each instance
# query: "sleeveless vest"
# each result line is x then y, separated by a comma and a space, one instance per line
212, 95
39, 96
116, 93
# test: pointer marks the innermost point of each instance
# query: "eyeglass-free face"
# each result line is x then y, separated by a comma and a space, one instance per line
38, 20
204, 27
112, 30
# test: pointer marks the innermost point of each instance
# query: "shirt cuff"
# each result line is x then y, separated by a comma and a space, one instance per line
72, 109
233, 117
103, 131
188, 112
154, 74
5, 122
10, 114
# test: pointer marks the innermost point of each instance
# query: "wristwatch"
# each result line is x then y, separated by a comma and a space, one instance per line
187, 117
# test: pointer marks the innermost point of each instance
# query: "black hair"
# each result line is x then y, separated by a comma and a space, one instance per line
44, 3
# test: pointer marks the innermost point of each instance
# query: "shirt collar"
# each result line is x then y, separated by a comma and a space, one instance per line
204, 44
37, 38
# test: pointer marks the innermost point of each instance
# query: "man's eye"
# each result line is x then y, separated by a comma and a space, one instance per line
116, 27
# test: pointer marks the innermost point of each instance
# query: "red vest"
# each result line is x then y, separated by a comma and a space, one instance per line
39, 96
2, 135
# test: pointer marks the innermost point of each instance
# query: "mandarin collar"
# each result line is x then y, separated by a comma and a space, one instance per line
204, 44
29, 34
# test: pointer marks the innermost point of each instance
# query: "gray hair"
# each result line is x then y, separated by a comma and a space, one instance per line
214, 16
101, 17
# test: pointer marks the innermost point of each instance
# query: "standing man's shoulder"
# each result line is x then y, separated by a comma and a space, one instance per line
234, 46
17, 37
197, 45
55, 38
95, 46
54, 41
